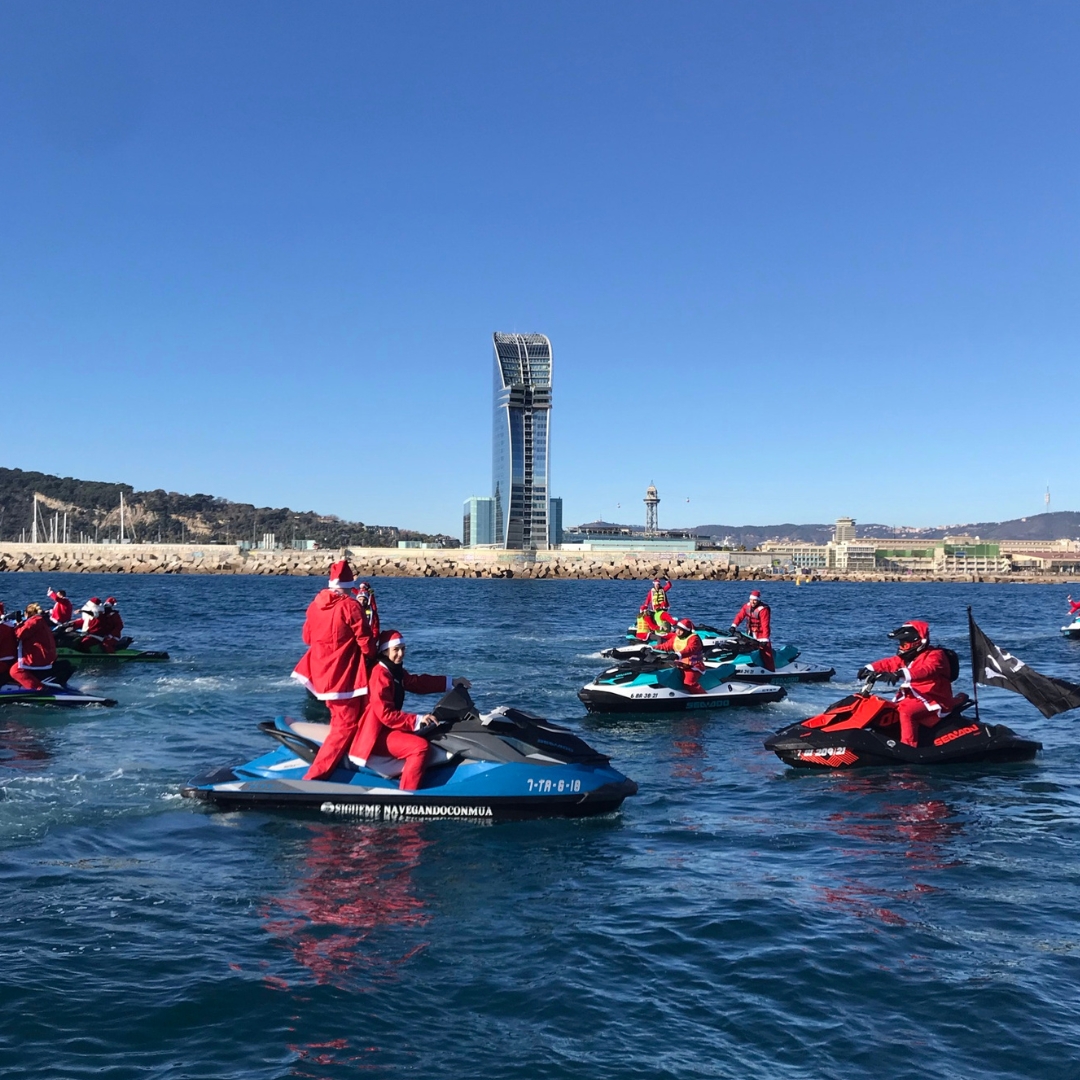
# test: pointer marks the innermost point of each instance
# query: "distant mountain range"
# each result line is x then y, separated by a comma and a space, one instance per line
1063, 523
93, 510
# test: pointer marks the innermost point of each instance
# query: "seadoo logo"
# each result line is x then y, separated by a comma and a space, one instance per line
380, 812
957, 734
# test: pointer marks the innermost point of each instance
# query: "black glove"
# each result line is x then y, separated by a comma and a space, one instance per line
733, 630
892, 678
865, 673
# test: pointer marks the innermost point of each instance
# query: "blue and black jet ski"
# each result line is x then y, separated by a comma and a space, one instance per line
738, 656
498, 766
55, 691
653, 685
1072, 629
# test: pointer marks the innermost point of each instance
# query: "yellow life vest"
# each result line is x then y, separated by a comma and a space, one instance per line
659, 600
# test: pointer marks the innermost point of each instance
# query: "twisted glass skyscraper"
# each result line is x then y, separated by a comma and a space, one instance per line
519, 465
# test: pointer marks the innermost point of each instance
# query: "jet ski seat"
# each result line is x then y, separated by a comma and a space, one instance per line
388, 767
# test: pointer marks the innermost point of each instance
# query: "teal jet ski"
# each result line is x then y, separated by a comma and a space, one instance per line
1072, 630
656, 685
738, 652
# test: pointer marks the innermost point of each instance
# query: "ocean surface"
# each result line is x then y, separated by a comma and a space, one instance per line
735, 919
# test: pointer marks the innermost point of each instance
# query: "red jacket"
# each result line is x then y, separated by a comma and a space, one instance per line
925, 678
37, 646
387, 695
112, 625
61, 610
335, 666
688, 650
9, 644
657, 600
758, 620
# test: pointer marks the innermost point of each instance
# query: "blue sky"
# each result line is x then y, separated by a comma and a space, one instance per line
796, 260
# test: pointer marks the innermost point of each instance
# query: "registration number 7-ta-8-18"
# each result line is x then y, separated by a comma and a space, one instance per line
553, 787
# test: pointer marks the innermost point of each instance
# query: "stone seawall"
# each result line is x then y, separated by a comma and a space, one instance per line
414, 562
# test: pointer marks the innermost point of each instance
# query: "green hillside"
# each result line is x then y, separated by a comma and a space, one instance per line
93, 511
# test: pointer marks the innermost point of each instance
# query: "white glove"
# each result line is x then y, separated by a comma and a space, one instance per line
462, 682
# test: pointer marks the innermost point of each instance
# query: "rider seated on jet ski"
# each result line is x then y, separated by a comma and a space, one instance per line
686, 645
758, 616
925, 675
112, 625
91, 630
9, 642
36, 650
61, 609
384, 728
647, 625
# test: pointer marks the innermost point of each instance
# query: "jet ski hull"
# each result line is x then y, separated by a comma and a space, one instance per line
370, 803
139, 655
1071, 631
782, 676
65, 697
599, 697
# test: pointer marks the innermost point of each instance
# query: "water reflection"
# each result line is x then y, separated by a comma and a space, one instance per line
354, 883
22, 748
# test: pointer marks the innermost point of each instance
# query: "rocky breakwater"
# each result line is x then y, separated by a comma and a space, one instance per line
368, 562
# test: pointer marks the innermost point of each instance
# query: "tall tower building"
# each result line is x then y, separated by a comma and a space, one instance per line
519, 458
652, 503
844, 533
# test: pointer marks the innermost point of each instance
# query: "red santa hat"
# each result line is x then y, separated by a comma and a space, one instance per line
341, 576
389, 638
110, 600
756, 594
685, 624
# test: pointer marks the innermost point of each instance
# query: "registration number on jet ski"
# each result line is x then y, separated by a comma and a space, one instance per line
550, 787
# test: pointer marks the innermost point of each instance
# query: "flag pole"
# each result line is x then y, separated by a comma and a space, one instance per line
974, 681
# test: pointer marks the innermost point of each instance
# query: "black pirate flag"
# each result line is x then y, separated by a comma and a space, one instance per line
995, 667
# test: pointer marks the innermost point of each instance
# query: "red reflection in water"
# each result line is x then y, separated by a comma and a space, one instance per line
351, 885
923, 829
22, 748
689, 751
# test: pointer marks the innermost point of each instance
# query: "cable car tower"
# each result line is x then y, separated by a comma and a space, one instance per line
652, 501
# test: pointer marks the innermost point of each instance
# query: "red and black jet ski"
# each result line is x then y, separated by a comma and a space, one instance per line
863, 729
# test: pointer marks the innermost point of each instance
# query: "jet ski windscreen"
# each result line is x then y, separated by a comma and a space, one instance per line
455, 705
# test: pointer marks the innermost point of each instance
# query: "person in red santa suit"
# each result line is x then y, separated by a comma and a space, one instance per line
335, 667
758, 618
36, 650
1074, 606
365, 597
689, 655
112, 625
385, 729
924, 671
61, 609
9, 643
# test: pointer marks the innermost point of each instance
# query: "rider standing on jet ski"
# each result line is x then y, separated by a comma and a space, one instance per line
61, 609
36, 648
686, 645
365, 597
758, 618
335, 667
656, 602
925, 694
385, 729
1074, 606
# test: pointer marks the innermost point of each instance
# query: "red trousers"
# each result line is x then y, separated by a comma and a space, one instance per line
401, 744
28, 680
768, 660
692, 682
913, 714
344, 720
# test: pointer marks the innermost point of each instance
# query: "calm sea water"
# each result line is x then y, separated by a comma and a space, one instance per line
734, 920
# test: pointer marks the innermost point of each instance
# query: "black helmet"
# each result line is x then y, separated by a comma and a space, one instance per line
908, 639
